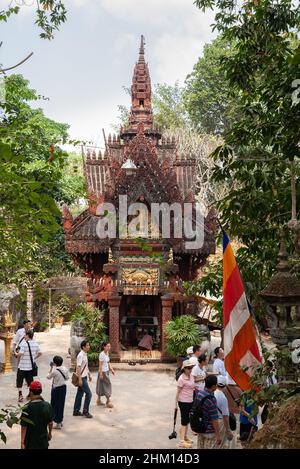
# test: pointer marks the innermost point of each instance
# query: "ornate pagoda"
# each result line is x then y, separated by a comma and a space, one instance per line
137, 281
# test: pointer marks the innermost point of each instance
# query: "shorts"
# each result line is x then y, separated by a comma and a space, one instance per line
245, 429
24, 374
185, 408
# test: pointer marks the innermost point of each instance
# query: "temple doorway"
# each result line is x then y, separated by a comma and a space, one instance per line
140, 316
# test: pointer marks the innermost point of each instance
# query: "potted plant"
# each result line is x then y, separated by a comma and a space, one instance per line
62, 309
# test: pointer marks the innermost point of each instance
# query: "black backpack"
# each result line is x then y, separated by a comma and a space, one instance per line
178, 373
197, 422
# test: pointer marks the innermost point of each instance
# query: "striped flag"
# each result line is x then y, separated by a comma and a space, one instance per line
240, 345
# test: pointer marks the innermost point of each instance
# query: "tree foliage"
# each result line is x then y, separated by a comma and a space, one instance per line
254, 160
94, 327
31, 186
49, 15
181, 332
207, 94
168, 107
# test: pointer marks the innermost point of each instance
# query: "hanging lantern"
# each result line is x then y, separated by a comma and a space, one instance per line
129, 167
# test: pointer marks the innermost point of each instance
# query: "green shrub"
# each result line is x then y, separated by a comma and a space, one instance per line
62, 309
94, 327
181, 332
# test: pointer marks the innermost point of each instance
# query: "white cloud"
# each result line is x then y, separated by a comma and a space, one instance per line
92, 56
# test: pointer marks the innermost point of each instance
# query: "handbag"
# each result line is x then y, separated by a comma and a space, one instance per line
232, 421
33, 364
75, 378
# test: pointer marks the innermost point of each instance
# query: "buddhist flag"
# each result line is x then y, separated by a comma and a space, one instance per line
240, 345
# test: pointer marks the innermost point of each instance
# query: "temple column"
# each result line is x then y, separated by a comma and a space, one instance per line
114, 301
166, 315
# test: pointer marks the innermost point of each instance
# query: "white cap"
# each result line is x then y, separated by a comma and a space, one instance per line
186, 363
189, 350
222, 381
194, 360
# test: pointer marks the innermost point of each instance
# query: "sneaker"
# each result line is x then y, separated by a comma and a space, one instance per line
184, 444
58, 426
87, 415
20, 398
77, 413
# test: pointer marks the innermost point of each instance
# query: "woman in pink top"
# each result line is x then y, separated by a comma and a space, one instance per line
184, 399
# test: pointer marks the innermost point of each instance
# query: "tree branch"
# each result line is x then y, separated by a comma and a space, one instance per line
3, 70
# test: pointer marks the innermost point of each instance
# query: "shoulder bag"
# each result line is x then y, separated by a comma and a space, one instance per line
75, 378
33, 364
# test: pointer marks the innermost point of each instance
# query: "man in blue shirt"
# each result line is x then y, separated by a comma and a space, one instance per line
211, 438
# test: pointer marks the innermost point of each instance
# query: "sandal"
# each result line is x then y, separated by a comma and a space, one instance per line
109, 405
99, 402
20, 399
184, 444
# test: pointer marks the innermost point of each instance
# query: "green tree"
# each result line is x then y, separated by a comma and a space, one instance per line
207, 95
31, 185
49, 14
260, 145
168, 107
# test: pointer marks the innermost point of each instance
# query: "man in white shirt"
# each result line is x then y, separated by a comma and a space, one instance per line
19, 337
218, 366
28, 353
83, 373
223, 412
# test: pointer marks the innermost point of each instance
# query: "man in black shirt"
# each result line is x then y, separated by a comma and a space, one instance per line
36, 420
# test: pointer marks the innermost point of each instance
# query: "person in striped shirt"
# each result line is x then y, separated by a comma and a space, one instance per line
25, 368
19, 337
211, 438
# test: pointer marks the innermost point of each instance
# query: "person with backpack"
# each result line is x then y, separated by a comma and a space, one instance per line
59, 375
204, 415
184, 399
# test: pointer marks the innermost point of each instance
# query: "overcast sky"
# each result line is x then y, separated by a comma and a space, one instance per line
83, 70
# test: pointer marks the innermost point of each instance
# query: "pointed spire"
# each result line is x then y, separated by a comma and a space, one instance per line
141, 109
142, 51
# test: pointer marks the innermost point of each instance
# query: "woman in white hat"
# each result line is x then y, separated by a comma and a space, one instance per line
184, 399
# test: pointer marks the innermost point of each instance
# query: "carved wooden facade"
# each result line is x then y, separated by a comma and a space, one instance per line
117, 267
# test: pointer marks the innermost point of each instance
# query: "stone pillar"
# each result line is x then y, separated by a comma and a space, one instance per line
29, 302
114, 301
166, 315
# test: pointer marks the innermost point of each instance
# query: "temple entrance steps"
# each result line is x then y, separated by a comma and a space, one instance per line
134, 354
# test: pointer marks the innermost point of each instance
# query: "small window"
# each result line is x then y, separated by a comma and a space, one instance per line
141, 103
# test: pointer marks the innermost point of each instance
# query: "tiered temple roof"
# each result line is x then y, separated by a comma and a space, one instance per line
162, 175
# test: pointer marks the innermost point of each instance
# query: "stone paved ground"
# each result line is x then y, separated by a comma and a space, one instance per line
144, 403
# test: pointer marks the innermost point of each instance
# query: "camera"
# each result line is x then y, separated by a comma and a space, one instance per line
173, 435
51, 364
